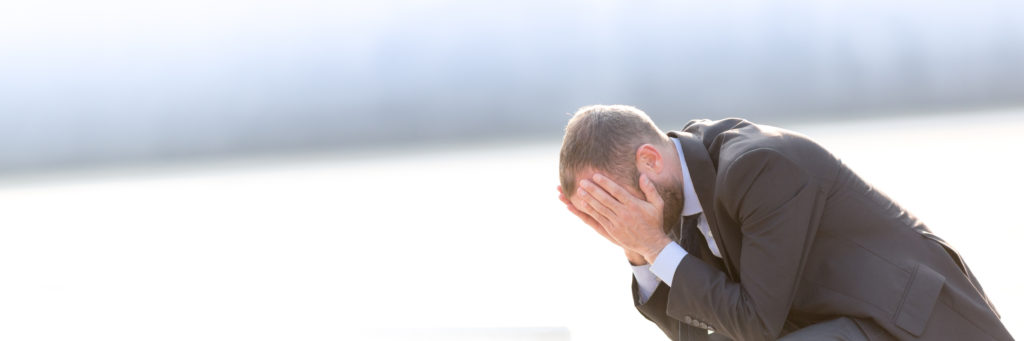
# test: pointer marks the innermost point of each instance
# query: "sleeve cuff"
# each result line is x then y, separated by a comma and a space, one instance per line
668, 259
646, 282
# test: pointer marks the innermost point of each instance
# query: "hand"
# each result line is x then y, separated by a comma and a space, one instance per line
634, 223
586, 218
633, 257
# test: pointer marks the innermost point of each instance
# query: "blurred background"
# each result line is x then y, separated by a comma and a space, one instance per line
386, 170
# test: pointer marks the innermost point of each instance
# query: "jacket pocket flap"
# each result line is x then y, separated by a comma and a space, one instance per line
919, 300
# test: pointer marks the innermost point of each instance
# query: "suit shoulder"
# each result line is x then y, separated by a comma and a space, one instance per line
709, 128
764, 139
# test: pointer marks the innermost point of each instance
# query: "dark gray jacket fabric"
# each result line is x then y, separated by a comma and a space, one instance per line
804, 240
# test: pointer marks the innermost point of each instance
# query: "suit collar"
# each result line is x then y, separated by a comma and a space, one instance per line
703, 175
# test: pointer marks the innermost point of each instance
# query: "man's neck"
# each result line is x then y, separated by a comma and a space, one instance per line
670, 154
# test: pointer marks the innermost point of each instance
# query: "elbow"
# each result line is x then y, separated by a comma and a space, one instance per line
757, 326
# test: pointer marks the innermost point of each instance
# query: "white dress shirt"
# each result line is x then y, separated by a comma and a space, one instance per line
665, 264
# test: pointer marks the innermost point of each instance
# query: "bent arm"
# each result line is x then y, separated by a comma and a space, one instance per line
777, 206
649, 280
654, 309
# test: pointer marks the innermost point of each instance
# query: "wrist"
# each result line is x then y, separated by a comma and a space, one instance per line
634, 258
651, 254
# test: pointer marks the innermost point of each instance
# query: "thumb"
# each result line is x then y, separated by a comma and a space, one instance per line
650, 191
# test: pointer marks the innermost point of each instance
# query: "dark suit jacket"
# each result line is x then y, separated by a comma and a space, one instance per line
803, 240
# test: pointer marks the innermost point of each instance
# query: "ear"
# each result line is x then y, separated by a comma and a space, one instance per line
649, 160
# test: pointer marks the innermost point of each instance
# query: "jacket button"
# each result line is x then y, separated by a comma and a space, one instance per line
704, 325
687, 320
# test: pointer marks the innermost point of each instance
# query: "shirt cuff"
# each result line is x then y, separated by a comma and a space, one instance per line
646, 282
668, 259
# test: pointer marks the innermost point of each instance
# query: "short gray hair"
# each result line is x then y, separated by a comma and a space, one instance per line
605, 137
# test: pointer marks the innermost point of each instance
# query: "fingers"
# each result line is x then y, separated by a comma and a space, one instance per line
597, 199
589, 206
583, 216
618, 192
572, 208
590, 221
604, 233
593, 223
599, 194
602, 220
601, 230
561, 197
651, 192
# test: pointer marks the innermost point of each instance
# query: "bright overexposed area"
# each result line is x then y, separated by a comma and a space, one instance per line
387, 169
465, 243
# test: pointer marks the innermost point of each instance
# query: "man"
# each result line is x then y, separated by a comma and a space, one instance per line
757, 233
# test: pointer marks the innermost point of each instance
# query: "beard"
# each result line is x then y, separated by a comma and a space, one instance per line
672, 195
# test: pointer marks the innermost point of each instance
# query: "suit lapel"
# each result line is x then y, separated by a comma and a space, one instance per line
702, 172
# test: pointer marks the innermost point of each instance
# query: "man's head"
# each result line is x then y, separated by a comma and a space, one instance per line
621, 142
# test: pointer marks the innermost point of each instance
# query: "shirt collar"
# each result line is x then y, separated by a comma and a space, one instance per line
691, 205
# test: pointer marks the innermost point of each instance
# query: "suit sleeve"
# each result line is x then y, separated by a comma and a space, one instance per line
654, 310
778, 207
